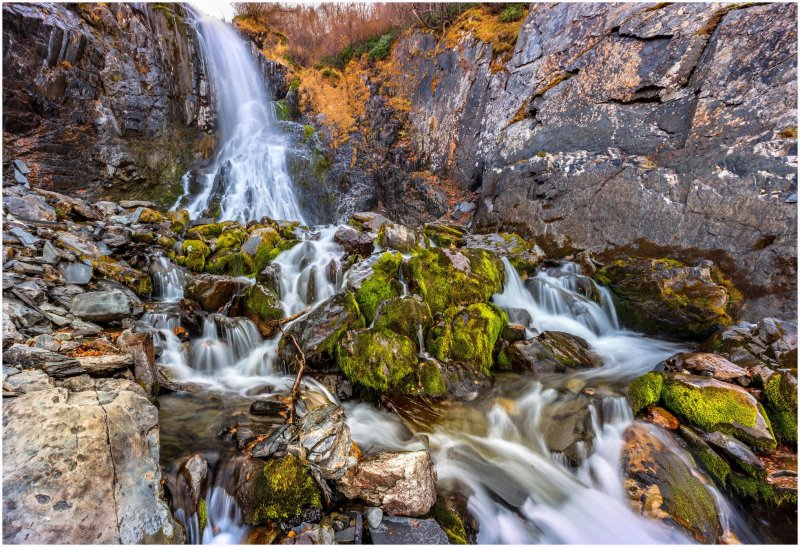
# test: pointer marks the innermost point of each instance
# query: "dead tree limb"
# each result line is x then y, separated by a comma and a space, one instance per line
300, 359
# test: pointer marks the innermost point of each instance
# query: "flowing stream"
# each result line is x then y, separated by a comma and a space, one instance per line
497, 451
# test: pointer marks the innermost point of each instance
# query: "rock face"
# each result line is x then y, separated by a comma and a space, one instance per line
117, 94
401, 483
105, 459
621, 124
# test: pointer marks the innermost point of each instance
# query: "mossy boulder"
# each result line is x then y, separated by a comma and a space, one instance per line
780, 400
231, 238
374, 282
446, 278
138, 282
151, 216
468, 335
404, 315
645, 391
206, 232
443, 235
378, 359
718, 406
655, 472
280, 490
178, 220
451, 522
524, 255
196, 253
261, 246
229, 262
263, 307
319, 331
664, 296
570, 351
398, 237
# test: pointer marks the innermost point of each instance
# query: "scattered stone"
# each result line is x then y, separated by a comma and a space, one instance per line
101, 306
50, 254
132, 204
46, 341
22, 167
309, 534
54, 364
24, 237
77, 273
29, 207
401, 483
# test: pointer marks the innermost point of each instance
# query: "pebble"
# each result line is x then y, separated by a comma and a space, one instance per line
374, 516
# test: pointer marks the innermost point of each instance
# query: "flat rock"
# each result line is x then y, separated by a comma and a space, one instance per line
54, 364
101, 306
408, 531
132, 204
95, 481
104, 365
706, 364
29, 207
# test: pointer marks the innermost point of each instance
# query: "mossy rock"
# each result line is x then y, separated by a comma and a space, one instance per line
469, 335
281, 490
780, 400
381, 285
138, 282
151, 216
569, 351
443, 236
762, 491
231, 238
143, 235
404, 315
645, 391
206, 232
263, 307
524, 255
446, 278
178, 220
378, 359
451, 522
717, 406
228, 262
716, 465
664, 296
202, 516
196, 253
431, 379
166, 242
261, 244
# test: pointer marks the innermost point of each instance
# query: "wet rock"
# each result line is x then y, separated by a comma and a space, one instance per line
106, 461
661, 417
214, 292
530, 356
105, 365
263, 307
270, 277
195, 471
54, 364
513, 333
324, 441
275, 444
737, 452
267, 407
101, 306
780, 401
404, 531
353, 242
278, 489
374, 516
570, 351
645, 391
468, 335
525, 256
648, 462
567, 428
666, 297
707, 364
406, 315
400, 483
318, 331
718, 406
310, 534
378, 359
77, 273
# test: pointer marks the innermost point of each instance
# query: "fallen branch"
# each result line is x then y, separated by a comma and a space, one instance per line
291, 318
300, 358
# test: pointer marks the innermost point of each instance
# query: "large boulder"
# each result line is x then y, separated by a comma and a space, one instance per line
664, 296
101, 306
468, 335
718, 406
375, 280
263, 307
214, 292
707, 364
569, 351
378, 359
446, 278
354, 242
400, 483
318, 332
780, 400
771, 342
660, 485
96, 479
406, 315
52, 363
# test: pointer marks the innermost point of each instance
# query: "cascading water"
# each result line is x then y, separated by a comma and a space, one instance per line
248, 176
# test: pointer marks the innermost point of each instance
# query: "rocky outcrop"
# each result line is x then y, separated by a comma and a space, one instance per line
669, 127
111, 99
88, 470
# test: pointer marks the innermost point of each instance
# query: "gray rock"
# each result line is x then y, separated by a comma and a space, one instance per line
324, 441
108, 208
106, 462
24, 237
131, 204
77, 273
196, 470
738, 452
29, 380
80, 245
355, 243
46, 341
50, 254
54, 364
105, 365
398, 237
140, 347
408, 531
213, 292
101, 306
19, 177
374, 516
22, 167
29, 207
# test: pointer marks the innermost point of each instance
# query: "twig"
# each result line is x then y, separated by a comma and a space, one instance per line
301, 367
291, 318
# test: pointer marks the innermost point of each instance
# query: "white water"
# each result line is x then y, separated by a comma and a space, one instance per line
249, 174
168, 281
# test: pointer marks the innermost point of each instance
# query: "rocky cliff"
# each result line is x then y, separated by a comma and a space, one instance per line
107, 99
666, 128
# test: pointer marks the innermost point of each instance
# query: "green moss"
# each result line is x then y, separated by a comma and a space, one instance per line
227, 262
378, 287
503, 360
706, 456
231, 238
308, 132
404, 316
283, 489
150, 216
143, 236
451, 522
511, 13
389, 263
780, 399
443, 236
282, 109
378, 359
645, 391
442, 285
206, 232
166, 242
263, 308
431, 379
469, 335
195, 246
762, 491
137, 281
179, 220
713, 408
202, 516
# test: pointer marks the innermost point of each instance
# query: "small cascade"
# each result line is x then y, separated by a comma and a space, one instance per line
249, 177
213, 353
556, 299
311, 271
168, 280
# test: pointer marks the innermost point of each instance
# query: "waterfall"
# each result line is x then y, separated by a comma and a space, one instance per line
168, 281
248, 178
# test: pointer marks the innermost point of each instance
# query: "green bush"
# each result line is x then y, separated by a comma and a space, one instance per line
382, 47
511, 13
